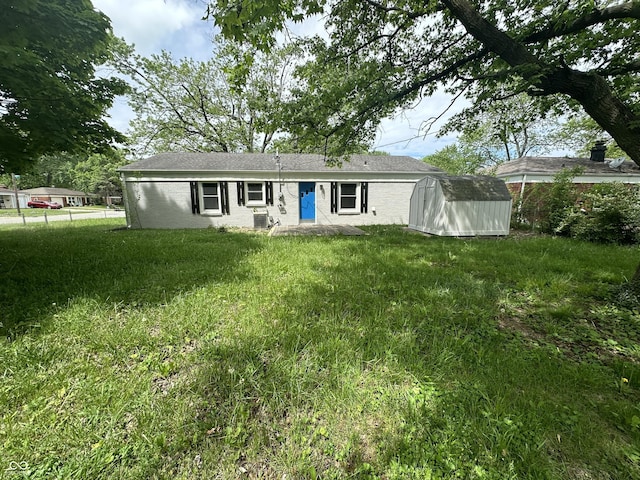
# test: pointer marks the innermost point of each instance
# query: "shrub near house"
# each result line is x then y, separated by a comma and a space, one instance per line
610, 213
604, 212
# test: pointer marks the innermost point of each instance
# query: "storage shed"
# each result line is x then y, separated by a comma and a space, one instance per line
460, 206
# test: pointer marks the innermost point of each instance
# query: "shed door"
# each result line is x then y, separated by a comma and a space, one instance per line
307, 201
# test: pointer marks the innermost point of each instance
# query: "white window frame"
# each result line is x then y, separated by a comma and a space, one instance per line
210, 211
356, 208
256, 203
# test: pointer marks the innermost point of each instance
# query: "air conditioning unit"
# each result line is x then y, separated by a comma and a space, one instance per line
260, 220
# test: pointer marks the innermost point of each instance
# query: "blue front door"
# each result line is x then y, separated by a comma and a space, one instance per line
308, 201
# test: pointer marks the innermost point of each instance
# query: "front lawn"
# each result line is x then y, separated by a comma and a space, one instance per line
219, 354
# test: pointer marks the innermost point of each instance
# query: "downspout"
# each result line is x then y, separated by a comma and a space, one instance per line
125, 199
522, 185
521, 200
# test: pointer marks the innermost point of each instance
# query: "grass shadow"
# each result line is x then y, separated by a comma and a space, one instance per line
386, 358
45, 269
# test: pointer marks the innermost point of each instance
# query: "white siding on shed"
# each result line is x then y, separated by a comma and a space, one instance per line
460, 206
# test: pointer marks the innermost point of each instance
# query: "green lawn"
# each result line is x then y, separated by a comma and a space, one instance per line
210, 354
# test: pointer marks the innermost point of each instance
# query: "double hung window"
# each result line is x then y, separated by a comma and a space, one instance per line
255, 194
210, 198
349, 197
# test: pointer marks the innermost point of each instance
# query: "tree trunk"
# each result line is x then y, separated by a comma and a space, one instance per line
589, 89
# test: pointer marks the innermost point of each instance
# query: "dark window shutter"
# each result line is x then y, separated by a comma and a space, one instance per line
240, 193
364, 197
224, 197
195, 198
334, 197
269, 192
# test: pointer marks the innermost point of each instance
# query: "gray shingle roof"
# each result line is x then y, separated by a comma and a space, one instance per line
55, 191
552, 165
466, 188
252, 162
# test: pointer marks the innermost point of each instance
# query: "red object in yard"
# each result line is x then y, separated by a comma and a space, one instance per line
43, 204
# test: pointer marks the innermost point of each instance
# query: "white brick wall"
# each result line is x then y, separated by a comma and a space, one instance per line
167, 204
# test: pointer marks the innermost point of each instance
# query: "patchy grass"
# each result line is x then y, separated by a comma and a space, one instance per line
209, 354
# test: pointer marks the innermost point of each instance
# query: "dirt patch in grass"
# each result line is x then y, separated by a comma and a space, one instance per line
513, 324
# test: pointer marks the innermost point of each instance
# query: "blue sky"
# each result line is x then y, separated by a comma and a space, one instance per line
177, 26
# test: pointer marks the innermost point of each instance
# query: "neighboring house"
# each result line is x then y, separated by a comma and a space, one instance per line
197, 190
64, 196
8, 198
520, 174
460, 206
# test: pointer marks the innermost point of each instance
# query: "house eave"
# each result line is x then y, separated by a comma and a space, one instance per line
538, 177
284, 175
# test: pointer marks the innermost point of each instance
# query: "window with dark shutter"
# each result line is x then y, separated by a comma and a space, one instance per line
255, 194
348, 196
211, 197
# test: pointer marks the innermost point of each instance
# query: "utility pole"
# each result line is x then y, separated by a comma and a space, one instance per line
15, 192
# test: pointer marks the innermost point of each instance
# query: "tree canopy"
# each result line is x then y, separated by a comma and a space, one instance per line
96, 173
503, 130
382, 55
230, 103
50, 97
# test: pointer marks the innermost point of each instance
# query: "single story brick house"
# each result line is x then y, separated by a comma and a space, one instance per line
199, 190
523, 172
64, 196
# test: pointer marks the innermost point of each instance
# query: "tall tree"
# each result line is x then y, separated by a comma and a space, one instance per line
384, 54
455, 159
504, 129
230, 103
98, 174
50, 170
50, 98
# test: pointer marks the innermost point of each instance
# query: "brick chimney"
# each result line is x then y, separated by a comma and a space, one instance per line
598, 151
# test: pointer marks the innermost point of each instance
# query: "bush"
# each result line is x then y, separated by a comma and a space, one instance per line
610, 213
546, 205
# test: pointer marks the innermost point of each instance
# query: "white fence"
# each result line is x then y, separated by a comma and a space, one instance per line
67, 216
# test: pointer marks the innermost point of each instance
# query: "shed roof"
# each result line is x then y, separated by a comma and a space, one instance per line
466, 188
553, 165
252, 162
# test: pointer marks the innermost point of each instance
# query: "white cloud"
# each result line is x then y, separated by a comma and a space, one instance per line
414, 131
153, 25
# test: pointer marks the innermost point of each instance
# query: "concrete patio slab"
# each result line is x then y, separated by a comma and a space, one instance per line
311, 229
